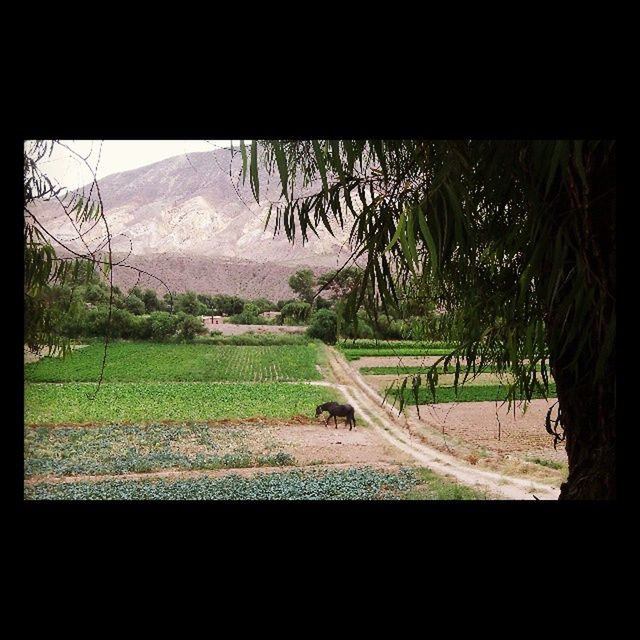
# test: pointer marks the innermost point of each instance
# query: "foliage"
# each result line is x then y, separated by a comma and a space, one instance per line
163, 325
151, 301
257, 339
139, 362
430, 486
514, 240
324, 326
401, 369
303, 282
134, 305
350, 484
188, 327
295, 313
353, 354
122, 402
188, 303
470, 393
111, 449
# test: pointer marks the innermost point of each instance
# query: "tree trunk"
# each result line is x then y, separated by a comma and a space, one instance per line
589, 422
587, 398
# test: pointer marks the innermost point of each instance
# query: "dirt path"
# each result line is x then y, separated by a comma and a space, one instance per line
384, 420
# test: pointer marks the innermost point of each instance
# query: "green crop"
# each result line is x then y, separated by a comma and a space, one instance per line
179, 402
470, 393
150, 362
349, 484
112, 450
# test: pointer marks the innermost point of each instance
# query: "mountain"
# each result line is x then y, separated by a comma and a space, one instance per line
190, 220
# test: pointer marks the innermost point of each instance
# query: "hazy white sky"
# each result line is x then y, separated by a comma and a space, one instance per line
116, 156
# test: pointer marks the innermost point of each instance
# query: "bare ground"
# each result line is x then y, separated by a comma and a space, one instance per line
429, 448
236, 329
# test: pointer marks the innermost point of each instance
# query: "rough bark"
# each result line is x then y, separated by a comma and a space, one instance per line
587, 398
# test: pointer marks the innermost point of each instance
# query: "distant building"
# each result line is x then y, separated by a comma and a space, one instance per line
211, 320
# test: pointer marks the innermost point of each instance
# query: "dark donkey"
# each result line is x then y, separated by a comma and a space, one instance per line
340, 410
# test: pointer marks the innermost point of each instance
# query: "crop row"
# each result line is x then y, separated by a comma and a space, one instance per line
111, 450
355, 354
409, 370
466, 393
179, 402
349, 484
144, 361
392, 345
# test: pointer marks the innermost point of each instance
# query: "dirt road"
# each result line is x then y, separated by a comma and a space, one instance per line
384, 420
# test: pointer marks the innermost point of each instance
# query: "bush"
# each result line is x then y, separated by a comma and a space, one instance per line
189, 327
358, 329
163, 325
324, 325
295, 313
246, 318
134, 305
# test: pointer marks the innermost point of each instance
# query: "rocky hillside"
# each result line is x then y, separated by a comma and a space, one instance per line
194, 205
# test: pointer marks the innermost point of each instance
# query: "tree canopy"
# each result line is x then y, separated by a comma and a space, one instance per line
514, 240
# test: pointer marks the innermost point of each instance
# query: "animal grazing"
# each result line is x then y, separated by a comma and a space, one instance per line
340, 410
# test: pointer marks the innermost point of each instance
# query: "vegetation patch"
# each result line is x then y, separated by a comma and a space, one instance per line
73, 403
467, 393
430, 486
112, 449
349, 484
355, 354
140, 361
409, 370
546, 463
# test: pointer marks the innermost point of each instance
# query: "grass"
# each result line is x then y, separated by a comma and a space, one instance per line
350, 484
430, 486
546, 463
145, 361
257, 339
355, 354
405, 370
471, 393
113, 450
392, 345
179, 402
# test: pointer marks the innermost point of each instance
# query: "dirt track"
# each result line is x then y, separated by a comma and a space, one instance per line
397, 430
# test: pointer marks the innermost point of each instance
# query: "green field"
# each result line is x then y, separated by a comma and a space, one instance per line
403, 370
349, 484
469, 393
392, 345
144, 361
116, 402
111, 450
355, 354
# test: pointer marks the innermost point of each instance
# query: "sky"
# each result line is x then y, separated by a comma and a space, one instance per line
116, 156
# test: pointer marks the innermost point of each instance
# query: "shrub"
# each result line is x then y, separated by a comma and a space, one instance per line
188, 327
324, 326
163, 325
134, 305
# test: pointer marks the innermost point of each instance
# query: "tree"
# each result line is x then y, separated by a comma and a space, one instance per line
134, 305
324, 326
188, 303
295, 312
151, 302
303, 283
515, 240
340, 284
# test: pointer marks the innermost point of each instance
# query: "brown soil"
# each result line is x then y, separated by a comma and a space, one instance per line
394, 361
495, 429
236, 329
